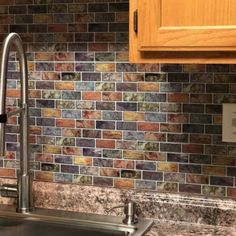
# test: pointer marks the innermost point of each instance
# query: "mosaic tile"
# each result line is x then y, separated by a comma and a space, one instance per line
156, 117
124, 183
102, 181
103, 86
105, 124
69, 169
214, 191
124, 164
105, 56
133, 77
151, 136
112, 134
63, 159
167, 167
190, 188
223, 160
105, 143
86, 170
44, 176
82, 179
84, 66
51, 131
63, 178
133, 116
121, 37
143, 184
144, 165
162, 122
174, 177
133, 97
197, 179
83, 161
171, 67
133, 135
103, 37
65, 141
92, 152
104, 67
85, 86
91, 133
51, 149
171, 87
85, 105
72, 151
129, 106
91, 96
71, 114
45, 140
170, 107
65, 104
84, 56
111, 153
70, 76
112, 115
177, 157
112, 77
130, 174
167, 187
131, 145
155, 156
103, 162
85, 143
109, 172
112, 96
51, 94
49, 167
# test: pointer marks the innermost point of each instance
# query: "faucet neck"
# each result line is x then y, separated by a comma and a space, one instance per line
24, 182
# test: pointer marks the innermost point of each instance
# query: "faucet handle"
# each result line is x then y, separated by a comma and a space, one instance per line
130, 211
9, 190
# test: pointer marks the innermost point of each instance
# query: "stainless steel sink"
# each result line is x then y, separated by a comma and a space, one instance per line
44, 222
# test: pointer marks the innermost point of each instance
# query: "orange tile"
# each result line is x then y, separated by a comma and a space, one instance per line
148, 126
64, 86
134, 155
148, 87
105, 143
134, 116
65, 123
5, 172
44, 176
124, 183
95, 96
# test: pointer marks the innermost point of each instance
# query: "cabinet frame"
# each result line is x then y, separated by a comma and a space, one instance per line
144, 54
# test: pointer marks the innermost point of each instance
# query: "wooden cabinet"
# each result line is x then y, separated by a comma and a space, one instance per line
183, 31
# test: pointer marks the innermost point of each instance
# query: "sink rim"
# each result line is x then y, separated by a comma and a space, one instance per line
78, 219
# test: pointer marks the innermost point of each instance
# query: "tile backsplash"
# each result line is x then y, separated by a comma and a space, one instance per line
96, 119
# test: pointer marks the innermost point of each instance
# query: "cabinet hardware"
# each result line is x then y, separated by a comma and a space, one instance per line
136, 21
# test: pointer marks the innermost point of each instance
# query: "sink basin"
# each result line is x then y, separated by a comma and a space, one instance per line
44, 222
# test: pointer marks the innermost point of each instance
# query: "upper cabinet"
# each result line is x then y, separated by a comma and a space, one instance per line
183, 31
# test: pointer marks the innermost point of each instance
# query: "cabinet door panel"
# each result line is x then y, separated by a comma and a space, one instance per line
187, 25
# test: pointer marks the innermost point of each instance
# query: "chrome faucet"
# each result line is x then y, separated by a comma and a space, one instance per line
23, 190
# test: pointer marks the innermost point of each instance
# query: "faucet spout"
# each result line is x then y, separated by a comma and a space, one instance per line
24, 185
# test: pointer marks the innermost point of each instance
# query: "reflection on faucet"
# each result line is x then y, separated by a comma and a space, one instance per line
23, 189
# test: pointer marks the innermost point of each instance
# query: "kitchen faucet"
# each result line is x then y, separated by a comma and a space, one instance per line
23, 190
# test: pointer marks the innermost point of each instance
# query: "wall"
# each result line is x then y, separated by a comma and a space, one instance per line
98, 120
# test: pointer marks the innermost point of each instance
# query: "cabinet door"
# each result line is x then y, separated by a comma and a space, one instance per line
187, 25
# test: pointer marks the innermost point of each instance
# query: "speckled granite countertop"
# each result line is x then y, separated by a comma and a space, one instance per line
174, 214
162, 228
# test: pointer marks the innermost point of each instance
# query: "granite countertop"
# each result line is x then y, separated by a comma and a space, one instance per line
174, 214
165, 228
